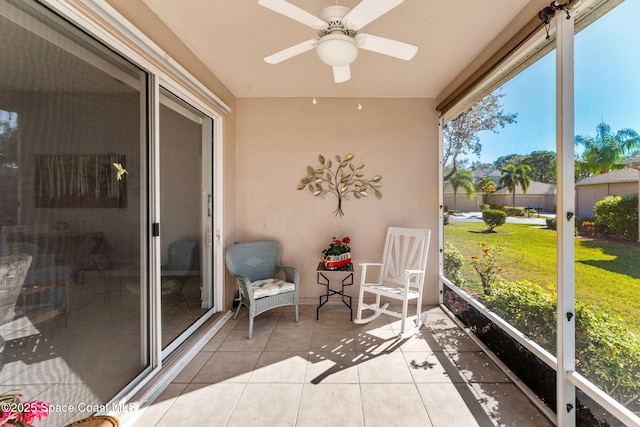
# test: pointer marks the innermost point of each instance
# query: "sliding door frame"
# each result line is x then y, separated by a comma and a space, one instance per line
102, 22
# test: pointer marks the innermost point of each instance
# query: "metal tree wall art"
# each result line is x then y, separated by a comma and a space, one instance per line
345, 181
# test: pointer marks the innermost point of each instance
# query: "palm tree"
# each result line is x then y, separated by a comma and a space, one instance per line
464, 179
603, 152
514, 176
485, 185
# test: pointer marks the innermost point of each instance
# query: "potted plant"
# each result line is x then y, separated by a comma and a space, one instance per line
14, 412
338, 254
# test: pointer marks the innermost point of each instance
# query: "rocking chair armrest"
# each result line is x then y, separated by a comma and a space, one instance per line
367, 264
412, 272
291, 275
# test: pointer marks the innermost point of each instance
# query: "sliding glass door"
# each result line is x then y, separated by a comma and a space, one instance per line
122, 264
186, 214
73, 168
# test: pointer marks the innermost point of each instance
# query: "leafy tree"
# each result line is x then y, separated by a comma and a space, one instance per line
461, 134
603, 152
542, 164
514, 176
486, 185
464, 179
485, 167
8, 143
502, 161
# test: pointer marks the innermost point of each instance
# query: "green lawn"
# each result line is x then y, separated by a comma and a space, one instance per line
607, 273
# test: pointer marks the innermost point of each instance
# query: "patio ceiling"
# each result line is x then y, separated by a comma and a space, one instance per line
232, 37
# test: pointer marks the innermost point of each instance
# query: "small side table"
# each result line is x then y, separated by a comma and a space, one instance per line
347, 280
39, 290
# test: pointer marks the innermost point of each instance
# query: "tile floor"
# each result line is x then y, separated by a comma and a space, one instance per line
68, 363
332, 372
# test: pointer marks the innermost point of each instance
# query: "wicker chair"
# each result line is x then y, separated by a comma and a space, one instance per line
96, 421
13, 271
255, 266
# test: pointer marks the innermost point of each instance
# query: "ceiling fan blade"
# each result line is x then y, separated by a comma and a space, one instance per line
367, 11
294, 12
290, 52
341, 73
386, 46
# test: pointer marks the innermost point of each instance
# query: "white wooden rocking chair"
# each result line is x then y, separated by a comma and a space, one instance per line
401, 277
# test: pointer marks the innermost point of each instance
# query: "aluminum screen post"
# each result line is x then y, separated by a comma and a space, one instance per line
565, 220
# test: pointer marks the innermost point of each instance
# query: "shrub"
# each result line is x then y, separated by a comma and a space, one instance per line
580, 220
551, 223
493, 218
514, 210
486, 266
607, 352
453, 263
612, 357
527, 307
589, 228
445, 218
619, 214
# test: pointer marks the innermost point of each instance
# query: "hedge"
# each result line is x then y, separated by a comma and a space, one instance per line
453, 263
607, 352
619, 214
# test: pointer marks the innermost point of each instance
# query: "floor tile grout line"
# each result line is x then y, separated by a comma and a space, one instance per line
446, 353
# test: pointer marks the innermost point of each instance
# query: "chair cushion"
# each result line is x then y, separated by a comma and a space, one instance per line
269, 287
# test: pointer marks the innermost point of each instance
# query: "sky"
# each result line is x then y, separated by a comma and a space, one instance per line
607, 88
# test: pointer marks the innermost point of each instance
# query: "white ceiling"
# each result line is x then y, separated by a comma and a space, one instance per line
232, 37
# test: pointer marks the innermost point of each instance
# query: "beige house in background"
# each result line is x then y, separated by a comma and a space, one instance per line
543, 195
461, 201
594, 188
538, 195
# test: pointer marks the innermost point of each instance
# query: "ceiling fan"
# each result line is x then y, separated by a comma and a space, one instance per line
339, 38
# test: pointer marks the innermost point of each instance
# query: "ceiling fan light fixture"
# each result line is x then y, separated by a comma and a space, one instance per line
337, 49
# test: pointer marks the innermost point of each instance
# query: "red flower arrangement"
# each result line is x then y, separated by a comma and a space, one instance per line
338, 247
15, 413
338, 254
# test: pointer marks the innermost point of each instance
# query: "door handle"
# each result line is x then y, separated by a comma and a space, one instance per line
208, 238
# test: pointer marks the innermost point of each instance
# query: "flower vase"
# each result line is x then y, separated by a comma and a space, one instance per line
335, 262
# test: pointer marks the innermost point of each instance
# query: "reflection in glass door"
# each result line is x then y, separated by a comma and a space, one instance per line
185, 217
74, 331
